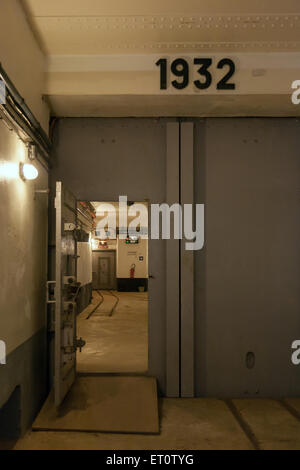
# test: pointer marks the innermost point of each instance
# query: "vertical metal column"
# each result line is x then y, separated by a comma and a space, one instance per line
187, 265
172, 271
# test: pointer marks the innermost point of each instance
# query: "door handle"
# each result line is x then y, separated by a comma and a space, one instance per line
80, 343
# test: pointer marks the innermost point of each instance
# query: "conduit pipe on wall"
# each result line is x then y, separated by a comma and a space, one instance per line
25, 135
18, 110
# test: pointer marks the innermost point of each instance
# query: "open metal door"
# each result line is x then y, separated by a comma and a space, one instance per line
65, 292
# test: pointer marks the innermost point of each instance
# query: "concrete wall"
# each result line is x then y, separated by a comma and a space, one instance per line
22, 59
128, 254
23, 230
23, 247
23, 268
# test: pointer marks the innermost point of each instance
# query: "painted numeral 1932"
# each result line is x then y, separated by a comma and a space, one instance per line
180, 68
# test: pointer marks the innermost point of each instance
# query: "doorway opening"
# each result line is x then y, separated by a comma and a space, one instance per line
102, 311
113, 306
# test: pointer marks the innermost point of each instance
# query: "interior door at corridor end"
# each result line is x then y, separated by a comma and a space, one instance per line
66, 288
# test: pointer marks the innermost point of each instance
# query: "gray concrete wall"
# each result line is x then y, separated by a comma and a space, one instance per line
23, 231
23, 268
23, 244
26, 368
247, 172
22, 58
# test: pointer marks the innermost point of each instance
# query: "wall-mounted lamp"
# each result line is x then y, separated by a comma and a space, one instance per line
28, 171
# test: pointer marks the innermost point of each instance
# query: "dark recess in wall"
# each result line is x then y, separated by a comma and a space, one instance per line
10, 416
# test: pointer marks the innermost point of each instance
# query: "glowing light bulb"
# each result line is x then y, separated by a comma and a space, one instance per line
28, 171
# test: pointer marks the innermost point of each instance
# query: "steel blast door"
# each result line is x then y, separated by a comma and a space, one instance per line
65, 307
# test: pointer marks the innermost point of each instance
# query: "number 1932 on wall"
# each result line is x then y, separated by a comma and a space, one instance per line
204, 69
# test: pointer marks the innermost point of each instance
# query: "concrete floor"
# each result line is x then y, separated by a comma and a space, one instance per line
193, 424
104, 404
117, 343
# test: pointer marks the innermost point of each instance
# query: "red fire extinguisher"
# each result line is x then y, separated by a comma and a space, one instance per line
132, 271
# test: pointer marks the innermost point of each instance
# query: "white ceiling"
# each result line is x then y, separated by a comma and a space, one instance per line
151, 7
84, 38
135, 26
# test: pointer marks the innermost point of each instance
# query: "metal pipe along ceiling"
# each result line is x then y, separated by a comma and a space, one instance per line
22, 111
